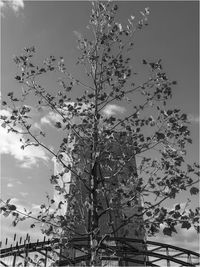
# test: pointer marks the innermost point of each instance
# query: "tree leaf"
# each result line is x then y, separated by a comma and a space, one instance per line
177, 207
58, 125
167, 231
194, 190
148, 213
12, 207
18, 78
186, 225
160, 136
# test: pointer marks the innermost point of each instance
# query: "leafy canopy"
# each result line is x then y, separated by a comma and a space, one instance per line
116, 162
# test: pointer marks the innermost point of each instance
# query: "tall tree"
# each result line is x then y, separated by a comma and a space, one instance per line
123, 167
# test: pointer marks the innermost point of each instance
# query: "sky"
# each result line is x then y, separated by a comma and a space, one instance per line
172, 35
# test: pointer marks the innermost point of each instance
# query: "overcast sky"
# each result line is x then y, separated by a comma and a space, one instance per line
172, 35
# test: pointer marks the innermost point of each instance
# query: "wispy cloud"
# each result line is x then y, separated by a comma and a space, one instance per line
10, 185
23, 205
23, 194
15, 5
51, 118
112, 109
185, 238
10, 144
36, 125
35, 206
11, 180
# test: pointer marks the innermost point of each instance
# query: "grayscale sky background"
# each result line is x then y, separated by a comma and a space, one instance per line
172, 35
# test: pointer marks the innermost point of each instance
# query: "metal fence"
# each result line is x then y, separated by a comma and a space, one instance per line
112, 252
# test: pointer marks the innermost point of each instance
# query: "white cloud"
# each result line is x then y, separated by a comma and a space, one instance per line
10, 144
22, 204
37, 126
11, 180
35, 206
45, 120
9, 185
187, 239
23, 194
15, 5
112, 109
51, 118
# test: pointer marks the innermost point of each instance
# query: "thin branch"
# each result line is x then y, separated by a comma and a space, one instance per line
55, 109
121, 121
125, 93
51, 152
42, 221
78, 81
139, 215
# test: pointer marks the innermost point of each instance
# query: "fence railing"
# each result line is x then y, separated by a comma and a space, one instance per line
112, 252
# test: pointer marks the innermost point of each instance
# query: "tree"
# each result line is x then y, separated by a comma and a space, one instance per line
116, 162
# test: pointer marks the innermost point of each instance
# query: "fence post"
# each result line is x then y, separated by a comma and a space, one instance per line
14, 260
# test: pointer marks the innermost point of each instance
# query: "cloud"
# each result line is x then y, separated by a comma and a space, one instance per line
9, 185
36, 125
187, 239
15, 5
51, 118
23, 194
12, 180
23, 205
193, 118
112, 109
45, 120
10, 144
35, 206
